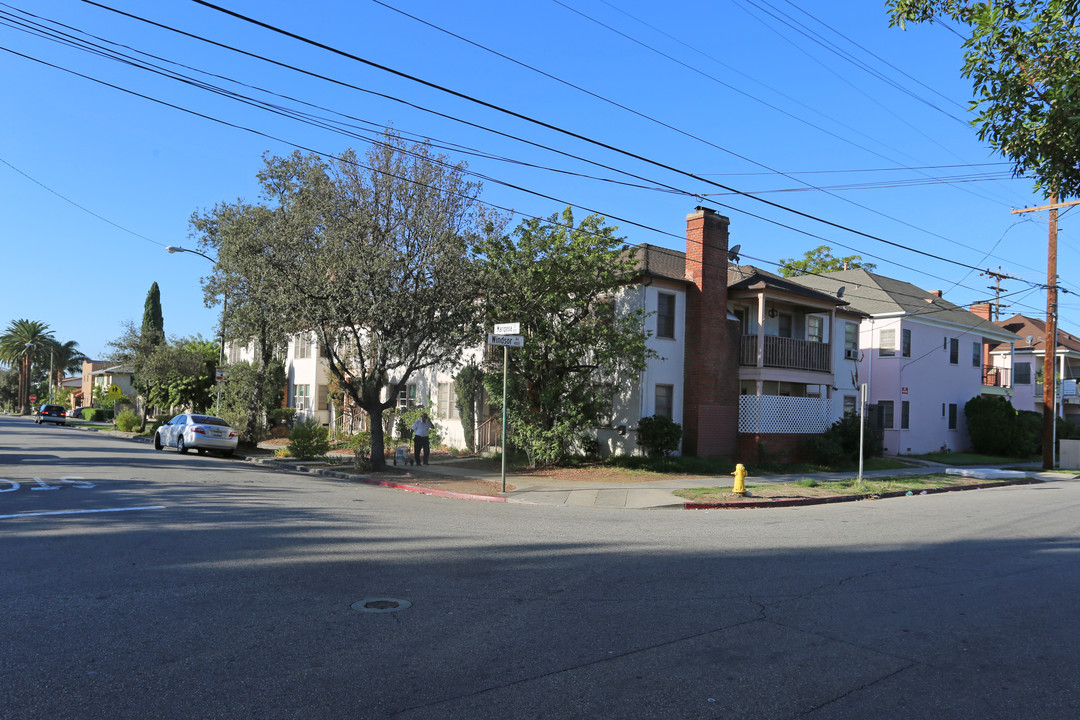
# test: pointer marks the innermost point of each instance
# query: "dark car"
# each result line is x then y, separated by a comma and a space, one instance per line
51, 413
76, 413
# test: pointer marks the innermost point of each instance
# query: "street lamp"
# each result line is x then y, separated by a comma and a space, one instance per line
224, 309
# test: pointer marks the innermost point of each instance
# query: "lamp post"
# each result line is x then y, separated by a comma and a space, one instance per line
224, 309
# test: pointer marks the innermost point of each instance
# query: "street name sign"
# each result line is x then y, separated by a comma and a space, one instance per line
506, 340
508, 329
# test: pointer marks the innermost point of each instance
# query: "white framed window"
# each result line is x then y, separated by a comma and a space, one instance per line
815, 328
302, 397
905, 342
851, 404
446, 404
954, 351
302, 347
887, 343
407, 397
665, 401
976, 354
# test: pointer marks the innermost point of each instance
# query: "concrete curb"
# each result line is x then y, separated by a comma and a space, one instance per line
802, 502
382, 483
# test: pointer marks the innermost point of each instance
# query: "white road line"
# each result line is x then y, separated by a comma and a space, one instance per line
82, 512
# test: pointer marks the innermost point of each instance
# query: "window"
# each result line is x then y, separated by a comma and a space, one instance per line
815, 328
887, 343
952, 416
905, 343
885, 407
665, 401
301, 397
976, 354
234, 353
665, 315
851, 404
323, 398
954, 351
302, 347
851, 340
446, 404
1022, 373
407, 397
905, 414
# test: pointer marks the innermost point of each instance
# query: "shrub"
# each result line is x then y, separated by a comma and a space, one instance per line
281, 416
404, 422
282, 452
996, 428
96, 414
840, 443
659, 435
128, 421
278, 432
309, 439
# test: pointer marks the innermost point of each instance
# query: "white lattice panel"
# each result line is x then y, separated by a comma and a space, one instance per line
779, 414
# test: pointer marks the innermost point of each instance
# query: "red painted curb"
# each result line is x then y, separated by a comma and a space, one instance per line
800, 502
431, 491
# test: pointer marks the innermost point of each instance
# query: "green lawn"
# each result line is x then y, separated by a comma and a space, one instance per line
914, 484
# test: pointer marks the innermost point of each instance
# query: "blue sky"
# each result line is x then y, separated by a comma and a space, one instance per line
818, 107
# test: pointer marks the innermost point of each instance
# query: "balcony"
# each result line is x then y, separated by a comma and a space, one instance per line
787, 353
993, 376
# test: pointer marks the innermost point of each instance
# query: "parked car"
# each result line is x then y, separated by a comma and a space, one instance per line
51, 413
75, 413
202, 432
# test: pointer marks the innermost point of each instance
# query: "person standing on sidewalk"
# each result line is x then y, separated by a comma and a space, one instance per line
421, 442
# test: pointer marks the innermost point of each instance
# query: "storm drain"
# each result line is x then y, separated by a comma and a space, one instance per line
381, 605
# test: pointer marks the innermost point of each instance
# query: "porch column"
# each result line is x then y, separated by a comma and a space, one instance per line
760, 333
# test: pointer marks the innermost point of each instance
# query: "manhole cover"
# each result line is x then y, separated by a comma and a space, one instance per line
381, 605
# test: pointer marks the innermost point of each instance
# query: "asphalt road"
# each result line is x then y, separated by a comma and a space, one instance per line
197, 587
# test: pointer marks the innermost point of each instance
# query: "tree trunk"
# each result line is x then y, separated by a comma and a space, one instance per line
378, 437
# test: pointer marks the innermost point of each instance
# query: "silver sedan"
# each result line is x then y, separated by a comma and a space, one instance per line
202, 432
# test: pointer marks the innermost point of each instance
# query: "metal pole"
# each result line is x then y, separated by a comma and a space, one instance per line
506, 367
862, 427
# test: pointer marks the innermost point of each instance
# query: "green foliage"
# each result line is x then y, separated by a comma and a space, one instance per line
840, 443
281, 417
153, 324
241, 385
995, 428
97, 414
820, 260
309, 439
561, 281
1022, 57
467, 387
22, 345
659, 435
127, 421
548, 446
1030, 433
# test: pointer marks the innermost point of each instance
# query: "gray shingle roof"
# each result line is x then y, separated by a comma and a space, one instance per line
880, 295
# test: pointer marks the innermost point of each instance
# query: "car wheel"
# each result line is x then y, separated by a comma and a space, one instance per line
157, 441
180, 446
200, 451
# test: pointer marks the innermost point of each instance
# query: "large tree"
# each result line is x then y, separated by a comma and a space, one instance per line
153, 324
562, 282
374, 253
1023, 58
820, 260
66, 359
23, 342
240, 235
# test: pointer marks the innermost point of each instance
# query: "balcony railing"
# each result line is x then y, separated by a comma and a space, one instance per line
993, 376
789, 353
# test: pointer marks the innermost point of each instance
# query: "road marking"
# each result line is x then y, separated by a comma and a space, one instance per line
82, 512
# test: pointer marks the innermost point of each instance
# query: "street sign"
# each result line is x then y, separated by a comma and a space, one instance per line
506, 340
33, 398
508, 329
219, 375
115, 393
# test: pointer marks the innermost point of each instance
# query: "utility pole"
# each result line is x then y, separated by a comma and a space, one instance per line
1050, 336
996, 287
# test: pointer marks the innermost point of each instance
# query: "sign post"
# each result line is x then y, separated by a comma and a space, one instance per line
505, 335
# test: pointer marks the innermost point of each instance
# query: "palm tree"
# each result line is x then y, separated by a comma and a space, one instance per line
66, 360
18, 345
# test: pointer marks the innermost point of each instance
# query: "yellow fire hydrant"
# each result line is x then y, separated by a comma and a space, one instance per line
739, 488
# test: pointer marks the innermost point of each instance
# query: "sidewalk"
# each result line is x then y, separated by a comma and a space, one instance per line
648, 495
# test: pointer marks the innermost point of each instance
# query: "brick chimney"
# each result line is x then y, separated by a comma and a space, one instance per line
711, 374
983, 310
935, 293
